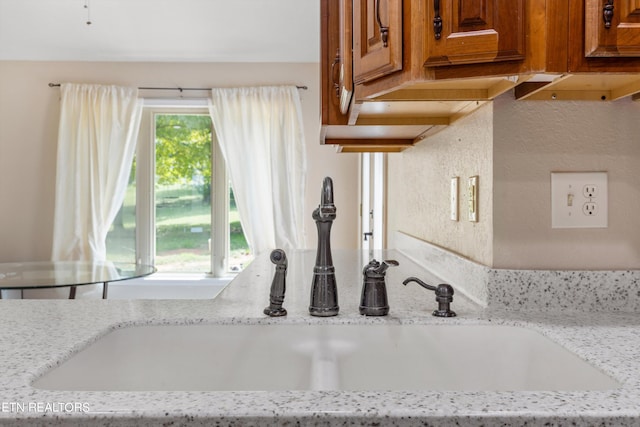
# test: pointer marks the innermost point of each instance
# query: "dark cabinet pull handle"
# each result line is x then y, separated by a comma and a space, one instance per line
607, 13
384, 31
334, 78
437, 20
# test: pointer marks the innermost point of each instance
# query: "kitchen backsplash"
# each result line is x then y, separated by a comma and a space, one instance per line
600, 290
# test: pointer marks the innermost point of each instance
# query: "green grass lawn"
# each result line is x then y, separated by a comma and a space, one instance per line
183, 229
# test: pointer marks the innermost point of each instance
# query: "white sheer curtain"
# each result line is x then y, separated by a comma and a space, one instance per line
260, 133
96, 143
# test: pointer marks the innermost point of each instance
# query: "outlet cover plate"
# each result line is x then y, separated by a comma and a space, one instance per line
571, 204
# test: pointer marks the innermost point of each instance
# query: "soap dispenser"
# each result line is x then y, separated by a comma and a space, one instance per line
373, 301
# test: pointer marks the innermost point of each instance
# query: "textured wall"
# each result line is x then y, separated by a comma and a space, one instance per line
29, 112
534, 138
517, 144
419, 182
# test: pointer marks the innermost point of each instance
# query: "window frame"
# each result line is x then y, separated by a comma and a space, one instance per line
145, 189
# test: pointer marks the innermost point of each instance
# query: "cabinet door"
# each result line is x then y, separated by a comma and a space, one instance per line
345, 72
612, 28
330, 63
377, 38
474, 31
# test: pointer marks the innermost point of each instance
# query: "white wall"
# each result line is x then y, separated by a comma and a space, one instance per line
514, 146
29, 112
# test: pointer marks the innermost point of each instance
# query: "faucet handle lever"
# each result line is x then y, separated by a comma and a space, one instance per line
375, 268
444, 296
373, 301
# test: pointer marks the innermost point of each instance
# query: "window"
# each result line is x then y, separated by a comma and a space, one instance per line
179, 212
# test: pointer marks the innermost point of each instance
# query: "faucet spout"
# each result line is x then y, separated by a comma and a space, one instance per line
326, 211
324, 292
327, 191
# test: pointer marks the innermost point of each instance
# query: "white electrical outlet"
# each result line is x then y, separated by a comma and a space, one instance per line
590, 209
454, 198
579, 200
590, 190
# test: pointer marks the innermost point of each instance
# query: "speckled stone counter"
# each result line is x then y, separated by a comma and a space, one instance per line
40, 334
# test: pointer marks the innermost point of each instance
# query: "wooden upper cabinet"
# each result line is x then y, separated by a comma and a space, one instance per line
330, 63
377, 38
612, 28
474, 31
602, 45
420, 65
345, 62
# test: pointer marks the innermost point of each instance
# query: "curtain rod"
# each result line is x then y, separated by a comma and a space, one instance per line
181, 89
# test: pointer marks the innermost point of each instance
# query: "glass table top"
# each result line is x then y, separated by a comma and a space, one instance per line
53, 274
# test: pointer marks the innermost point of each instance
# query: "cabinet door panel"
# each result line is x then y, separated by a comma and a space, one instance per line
612, 28
346, 57
374, 53
474, 31
330, 63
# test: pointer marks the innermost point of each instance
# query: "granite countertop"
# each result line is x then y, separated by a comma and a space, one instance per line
39, 334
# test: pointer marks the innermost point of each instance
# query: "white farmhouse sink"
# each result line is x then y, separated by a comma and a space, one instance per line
325, 357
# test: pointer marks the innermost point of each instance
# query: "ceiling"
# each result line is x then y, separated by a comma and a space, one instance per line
160, 30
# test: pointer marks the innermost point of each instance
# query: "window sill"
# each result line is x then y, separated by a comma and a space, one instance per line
169, 286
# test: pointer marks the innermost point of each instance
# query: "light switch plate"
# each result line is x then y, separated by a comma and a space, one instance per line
579, 200
454, 198
473, 198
